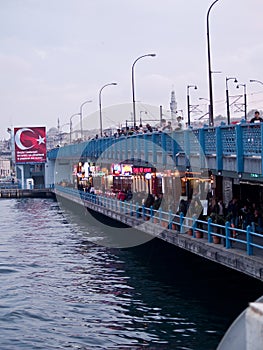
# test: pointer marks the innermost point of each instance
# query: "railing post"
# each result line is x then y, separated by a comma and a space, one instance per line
181, 222
249, 241
170, 220
137, 210
209, 228
143, 211
228, 242
131, 213
151, 213
194, 225
160, 215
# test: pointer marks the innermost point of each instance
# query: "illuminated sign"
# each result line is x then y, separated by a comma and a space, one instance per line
30, 145
141, 170
116, 169
126, 169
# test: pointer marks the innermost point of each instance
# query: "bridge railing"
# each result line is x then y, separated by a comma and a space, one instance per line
230, 237
249, 135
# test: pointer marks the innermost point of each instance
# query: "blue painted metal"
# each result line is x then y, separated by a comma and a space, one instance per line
202, 148
239, 149
170, 215
154, 147
130, 208
244, 140
164, 138
209, 230
249, 241
228, 241
219, 149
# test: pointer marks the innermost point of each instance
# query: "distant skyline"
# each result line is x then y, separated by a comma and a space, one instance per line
57, 54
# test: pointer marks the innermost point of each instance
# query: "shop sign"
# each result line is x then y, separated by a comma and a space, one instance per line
116, 169
126, 169
141, 170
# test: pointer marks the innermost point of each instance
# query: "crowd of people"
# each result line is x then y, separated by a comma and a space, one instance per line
164, 126
240, 213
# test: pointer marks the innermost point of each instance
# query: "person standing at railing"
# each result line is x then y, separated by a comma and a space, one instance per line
256, 118
257, 220
233, 214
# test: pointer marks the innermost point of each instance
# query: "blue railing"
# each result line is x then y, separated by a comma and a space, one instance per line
231, 237
242, 140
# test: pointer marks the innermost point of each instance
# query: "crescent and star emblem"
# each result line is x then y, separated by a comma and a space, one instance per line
19, 143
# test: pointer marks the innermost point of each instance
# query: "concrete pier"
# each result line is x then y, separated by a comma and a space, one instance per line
19, 193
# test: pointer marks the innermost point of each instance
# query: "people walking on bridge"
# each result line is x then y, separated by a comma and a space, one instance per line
257, 118
168, 127
179, 124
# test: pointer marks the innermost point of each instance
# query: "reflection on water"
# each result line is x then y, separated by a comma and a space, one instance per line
59, 290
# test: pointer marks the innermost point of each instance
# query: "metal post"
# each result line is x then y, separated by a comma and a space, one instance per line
133, 87
211, 116
161, 114
227, 104
100, 105
188, 108
245, 98
227, 99
70, 126
80, 113
188, 103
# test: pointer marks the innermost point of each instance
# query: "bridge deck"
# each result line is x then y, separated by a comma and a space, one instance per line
235, 253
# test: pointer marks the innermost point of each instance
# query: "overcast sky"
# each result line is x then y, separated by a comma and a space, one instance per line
56, 54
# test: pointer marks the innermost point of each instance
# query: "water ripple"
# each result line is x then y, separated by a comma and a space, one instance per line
61, 291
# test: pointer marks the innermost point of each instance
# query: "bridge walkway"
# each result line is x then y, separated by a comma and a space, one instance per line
232, 247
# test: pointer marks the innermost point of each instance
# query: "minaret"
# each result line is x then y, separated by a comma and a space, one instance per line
173, 106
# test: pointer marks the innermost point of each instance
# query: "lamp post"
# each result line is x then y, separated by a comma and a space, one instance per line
256, 81
133, 88
211, 111
245, 98
80, 113
70, 125
227, 99
100, 104
188, 103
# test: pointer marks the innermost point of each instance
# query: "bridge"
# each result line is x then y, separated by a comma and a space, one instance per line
238, 249
224, 161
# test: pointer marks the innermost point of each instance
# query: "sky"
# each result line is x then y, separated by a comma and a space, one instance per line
57, 54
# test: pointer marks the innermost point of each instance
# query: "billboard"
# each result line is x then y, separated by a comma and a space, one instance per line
30, 145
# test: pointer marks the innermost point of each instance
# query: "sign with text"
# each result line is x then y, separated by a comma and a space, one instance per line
30, 145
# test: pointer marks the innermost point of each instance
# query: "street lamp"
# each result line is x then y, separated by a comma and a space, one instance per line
211, 111
256, 81
70, 125
133, 88
245, 98
80, 113
188, 102
227, 99
100, 105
